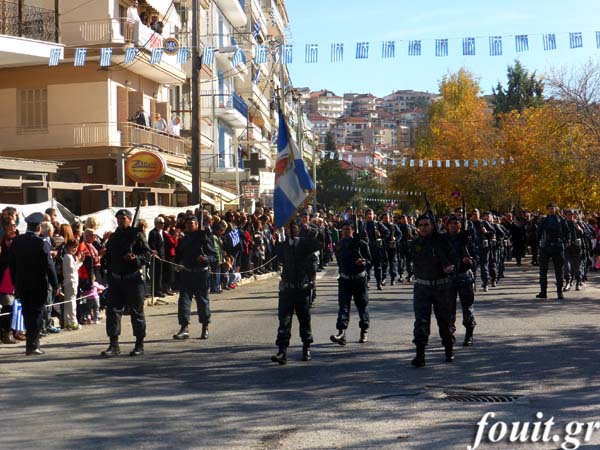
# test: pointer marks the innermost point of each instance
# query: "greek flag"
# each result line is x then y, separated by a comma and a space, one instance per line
468, 46
311, 53
238, 58
456, 163
575, 40
350, 157
429, 163
208, 56
183, 55
476, 163
362, 50
235, 237
441, 47
493, 162
256, 77
448, 163
130, 55
495, 45
337, 52
256, 29
156, 56
260, 56
105, 56
466, 163
17, 324
286, 54
80, 56
597, 39
412, 163
549, 42
323, 156
272, 16
414, 48
388, 49
55, 54
521, 43
502, 161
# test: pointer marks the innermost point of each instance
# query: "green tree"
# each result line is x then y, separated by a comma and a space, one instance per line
524, 90
331, 174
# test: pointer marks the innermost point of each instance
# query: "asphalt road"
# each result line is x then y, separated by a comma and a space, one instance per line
225, 393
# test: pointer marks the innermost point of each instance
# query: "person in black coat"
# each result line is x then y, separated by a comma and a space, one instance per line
33, 270
156, 242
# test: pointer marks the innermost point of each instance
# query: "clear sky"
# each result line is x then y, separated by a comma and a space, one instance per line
325, 22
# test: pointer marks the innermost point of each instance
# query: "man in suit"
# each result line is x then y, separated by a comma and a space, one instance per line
156, 242
33, 269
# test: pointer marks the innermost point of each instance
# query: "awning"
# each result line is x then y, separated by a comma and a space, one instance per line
166, 8
184, 177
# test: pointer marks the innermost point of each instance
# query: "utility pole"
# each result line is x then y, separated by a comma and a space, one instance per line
196, 105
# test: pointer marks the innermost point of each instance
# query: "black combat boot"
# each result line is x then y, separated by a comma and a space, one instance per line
392, 281
542, 294
559, 292
578, 286
306, 356
449, 350
280, 357
138, 349
340, 338
184, 333
419, 360
468, 337
113, 348
364, 336
204, 333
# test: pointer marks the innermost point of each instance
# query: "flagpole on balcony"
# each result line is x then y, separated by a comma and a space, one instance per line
196, 105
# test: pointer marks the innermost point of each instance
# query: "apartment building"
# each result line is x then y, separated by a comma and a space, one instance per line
326, 103
407, 100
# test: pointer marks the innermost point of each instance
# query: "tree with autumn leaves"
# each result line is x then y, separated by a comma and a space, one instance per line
548, 141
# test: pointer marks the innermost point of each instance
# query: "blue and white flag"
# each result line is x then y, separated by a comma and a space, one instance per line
441, 47
311, 53
286, 54
412, 163
292, 179
17, 324
256, 29
575, 40
237, 58
235, 237
388, 49
256, 78
466, 163
521, 43
597, 39
156, 56
105, 57
468, 46
261, 54
495, 45
55, 55
208, 56
414, 48
549, 42
183, 55
337, 52
80, 56
362, 50
272, 16
130, 55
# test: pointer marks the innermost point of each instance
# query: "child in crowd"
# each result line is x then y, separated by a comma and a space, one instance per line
92, 301
70, 266
230, 277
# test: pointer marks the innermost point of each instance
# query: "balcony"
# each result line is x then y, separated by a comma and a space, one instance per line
98, 32
276, 25
230, 107
234, 10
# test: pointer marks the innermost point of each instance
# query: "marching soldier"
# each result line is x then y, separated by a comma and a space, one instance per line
296, 256
126, 252
553, 234
407, 234
376, 234
391, 248
483, 233
573, 253
518, 232
433, 258
353, 257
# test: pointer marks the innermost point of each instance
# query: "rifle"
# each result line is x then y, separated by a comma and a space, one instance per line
136, 216
430, 214
464, 216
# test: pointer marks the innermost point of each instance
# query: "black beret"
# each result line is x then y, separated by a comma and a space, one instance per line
34, 218
124, 212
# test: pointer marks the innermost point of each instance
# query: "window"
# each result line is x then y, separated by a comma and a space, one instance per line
32, 110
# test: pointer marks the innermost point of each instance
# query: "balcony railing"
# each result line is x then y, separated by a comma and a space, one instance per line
230, 100
132, 134
98, 32
29, 22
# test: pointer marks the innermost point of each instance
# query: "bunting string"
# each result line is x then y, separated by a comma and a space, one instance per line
378, 160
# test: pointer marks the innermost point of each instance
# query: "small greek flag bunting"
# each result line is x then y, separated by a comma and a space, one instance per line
272, 16
362, 50
412, 163
130, 55
388, 49
286, 54
256, 29
521, 43
549, 42
597, 39
183, 55
414, 48
208, 56
80, 56
337, 52
468, 46
105, 57
495, 45
311, 54
156, 56
237, 58
441, 47
55, 54
575, 40
256, 78
261, 54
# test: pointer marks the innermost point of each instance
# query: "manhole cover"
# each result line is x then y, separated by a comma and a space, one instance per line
471, 397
